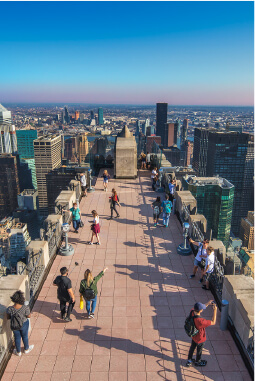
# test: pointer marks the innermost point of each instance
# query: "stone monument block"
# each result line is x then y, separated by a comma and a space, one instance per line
125, 161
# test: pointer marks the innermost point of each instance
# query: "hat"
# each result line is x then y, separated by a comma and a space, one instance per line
199, 306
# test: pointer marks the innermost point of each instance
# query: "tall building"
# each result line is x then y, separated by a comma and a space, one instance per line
83, 148
172, 134
70, 147
77, 115
100, 116
47, 151
150, 140
66, 115
138, 126
161, 120
19, 240
8, 139
177, 126
188, 147
92, 116
9, 184
27, 212
231, 156
215, 198
247, 231
147, 122
184, 133
25, 142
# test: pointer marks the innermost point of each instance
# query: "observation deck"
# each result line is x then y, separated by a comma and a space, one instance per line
144, 297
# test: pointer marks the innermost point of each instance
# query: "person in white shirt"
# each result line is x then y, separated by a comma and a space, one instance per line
201, 254
154, 173
95, 227
83, 184
148, 160
209, 267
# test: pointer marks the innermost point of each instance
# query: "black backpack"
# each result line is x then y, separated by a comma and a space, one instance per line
88, 293
16, 321
189, 325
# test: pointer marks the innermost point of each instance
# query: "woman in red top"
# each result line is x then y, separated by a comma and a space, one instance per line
199, 339
114, 199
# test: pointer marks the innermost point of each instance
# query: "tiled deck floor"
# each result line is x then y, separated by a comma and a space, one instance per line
144, 297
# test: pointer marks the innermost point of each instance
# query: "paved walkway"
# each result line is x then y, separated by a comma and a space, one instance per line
137, 333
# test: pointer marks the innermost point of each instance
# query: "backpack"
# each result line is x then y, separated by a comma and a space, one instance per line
88, 293
167, 207
16, 322
189, 325
156, 210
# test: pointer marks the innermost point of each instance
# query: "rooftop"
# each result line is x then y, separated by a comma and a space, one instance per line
137, 333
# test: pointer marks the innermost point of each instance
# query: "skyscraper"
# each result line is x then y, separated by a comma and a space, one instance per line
47, 151
185, 127
214, 197
247, 231
229, 155
161, 120
8, 139
83, 148
9, 184
172, 134
25, 141
177, 126
100, 116
77, 115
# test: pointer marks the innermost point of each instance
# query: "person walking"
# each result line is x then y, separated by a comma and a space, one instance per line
156, 205
65, 294
200, 257
106, 178
166, 207
143, 160
88, 290
148, 160
95, 227
83, 182
114, 199
209, 267
154, 175
199, 339
76, 216
19, 314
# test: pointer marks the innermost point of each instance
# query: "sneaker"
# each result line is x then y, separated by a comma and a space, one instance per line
90, 243
191, 276
16, 353
31, 347
92, 316
189, 363
67, 319
63, 316
201, 280
201, 363
155, 225
110, 218
98, 243
204, 288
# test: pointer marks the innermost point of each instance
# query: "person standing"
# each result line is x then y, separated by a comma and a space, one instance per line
143, 159
19, 314
83, 182
148, 160
156, 205
76, 216
209, 267
199, 339
200, 257
65, 294
106, 178
95, 227
166, 207
172, 186
90, 283
114, 199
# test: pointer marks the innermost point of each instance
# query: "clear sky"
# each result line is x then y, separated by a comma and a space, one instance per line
183, 53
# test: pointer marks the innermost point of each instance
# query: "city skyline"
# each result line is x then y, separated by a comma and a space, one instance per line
128, 53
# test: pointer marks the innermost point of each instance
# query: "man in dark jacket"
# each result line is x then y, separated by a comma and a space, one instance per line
65, 294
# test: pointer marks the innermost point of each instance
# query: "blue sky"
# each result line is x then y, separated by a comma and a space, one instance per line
127, 52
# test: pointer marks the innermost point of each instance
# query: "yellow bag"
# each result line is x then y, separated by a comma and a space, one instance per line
81, 303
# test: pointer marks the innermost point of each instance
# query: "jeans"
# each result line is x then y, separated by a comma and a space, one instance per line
166, 217
22, 334
76, 224
94, 303
199, 350
63, 308
113, 208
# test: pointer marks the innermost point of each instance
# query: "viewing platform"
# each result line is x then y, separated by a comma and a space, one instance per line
144, 297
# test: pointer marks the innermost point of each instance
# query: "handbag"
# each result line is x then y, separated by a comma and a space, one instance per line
81, 303
202, 263
81, 224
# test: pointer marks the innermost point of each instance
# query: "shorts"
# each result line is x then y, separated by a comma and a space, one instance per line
155, 216
196, 262
83, 188
106, 181
208, 276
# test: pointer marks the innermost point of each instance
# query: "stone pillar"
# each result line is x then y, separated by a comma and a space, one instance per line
125, 161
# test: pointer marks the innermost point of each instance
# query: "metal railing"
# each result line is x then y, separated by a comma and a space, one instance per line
157, 154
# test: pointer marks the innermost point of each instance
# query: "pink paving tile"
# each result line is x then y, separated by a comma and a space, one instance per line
213, 376
227, 362
54, 334
233, 376
156, 376
221, 347
118, 364
99, 376
61, 376
100, 364
27, 364
7, 376
45, 364
50, 348
22, 376
39, 376
136, 376
78, 376
67, 348
38, 334
136, 363
82, 363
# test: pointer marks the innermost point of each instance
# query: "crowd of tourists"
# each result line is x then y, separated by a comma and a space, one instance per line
195, 324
